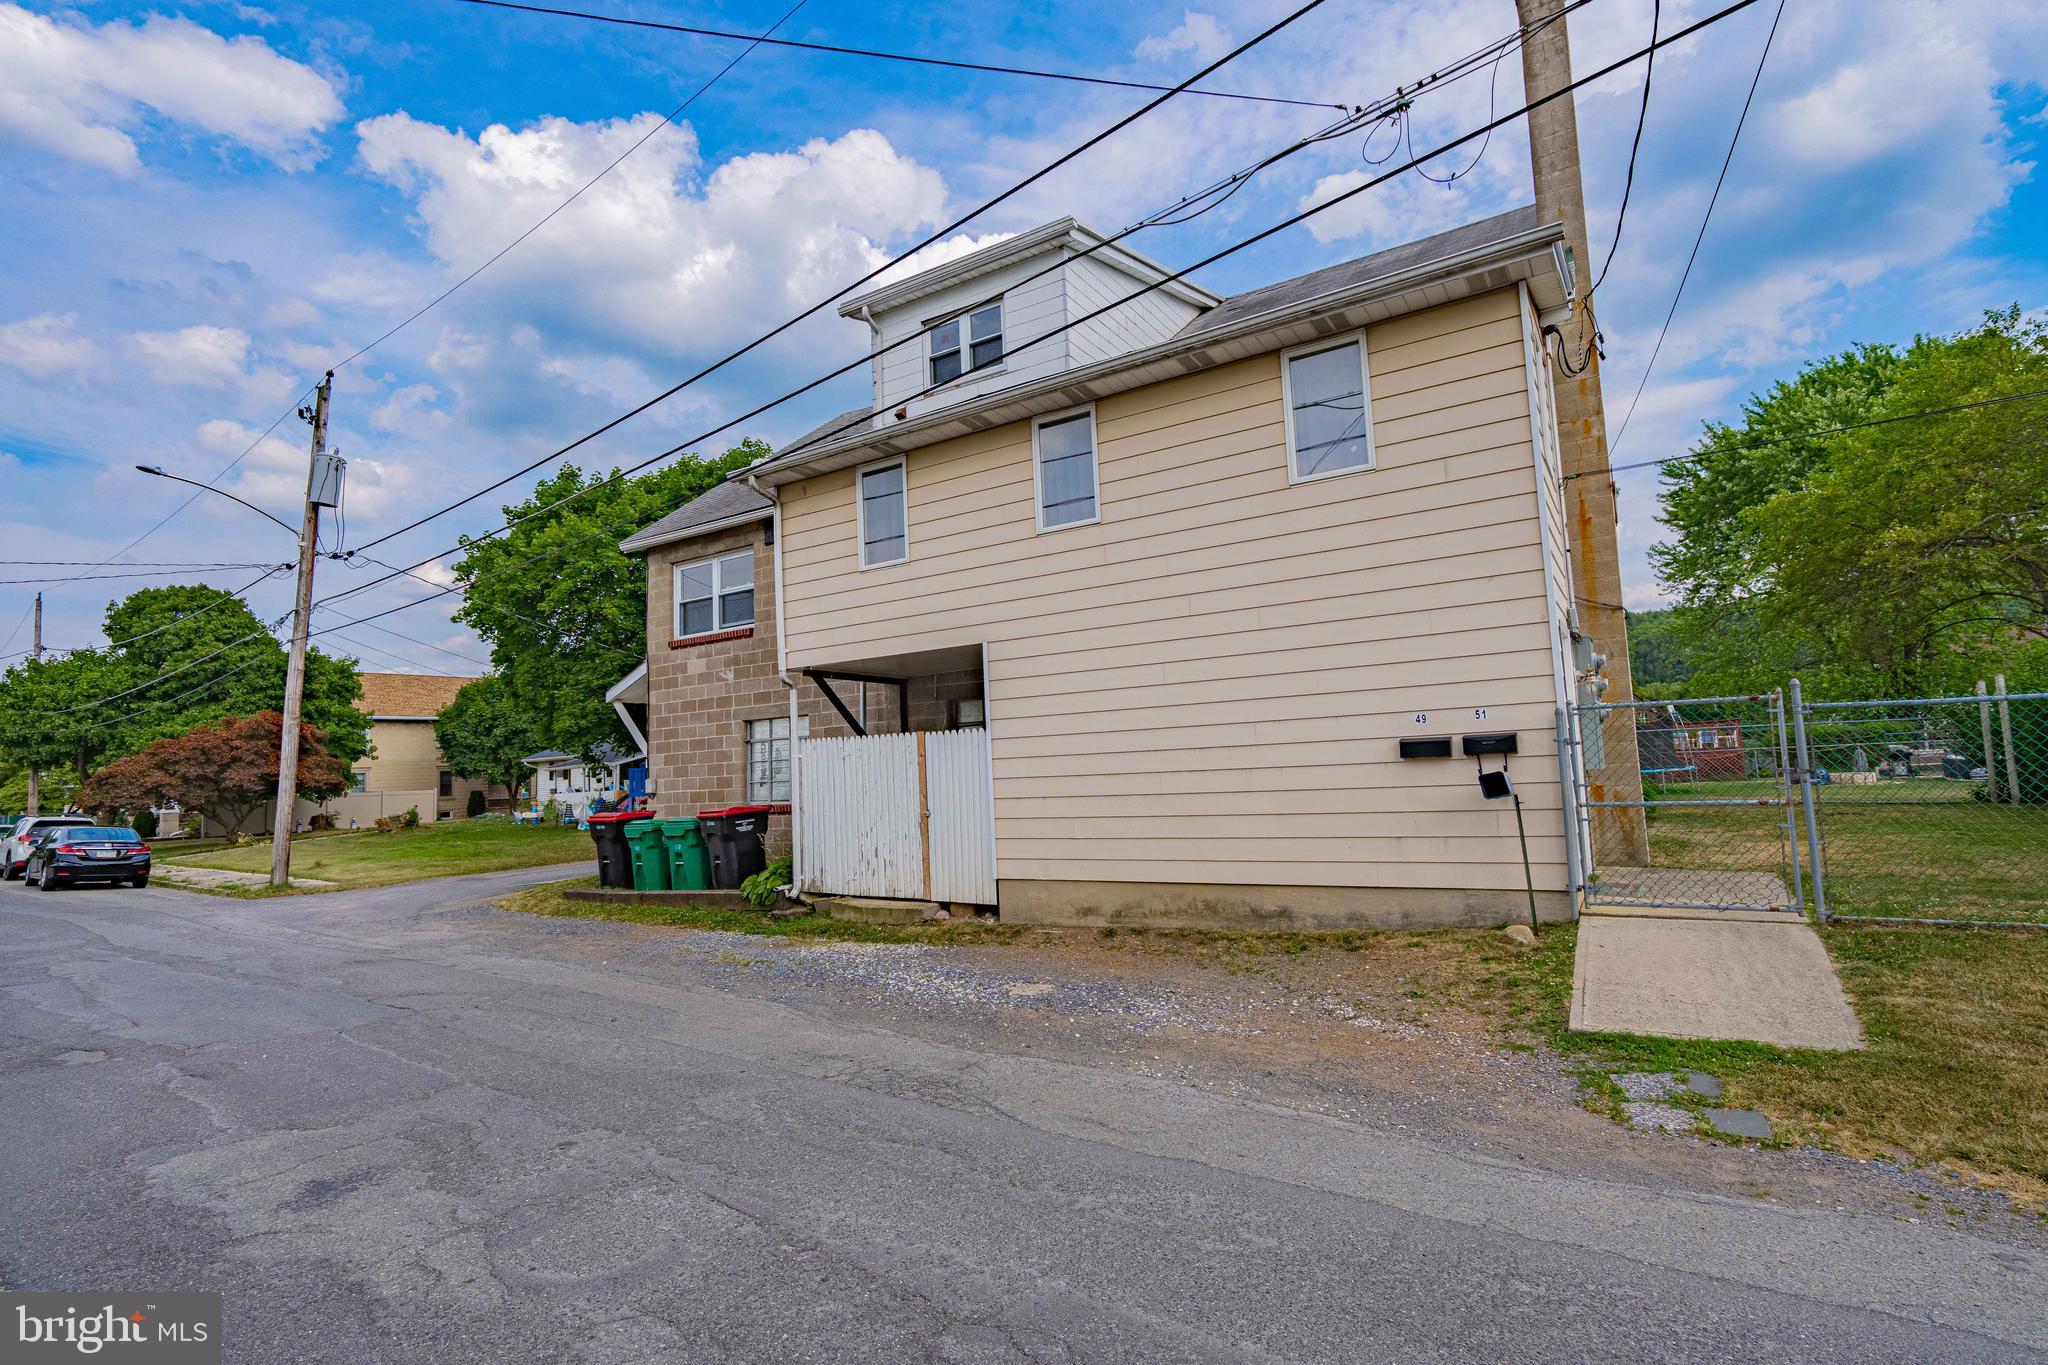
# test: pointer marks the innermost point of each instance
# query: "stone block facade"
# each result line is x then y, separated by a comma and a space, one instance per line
703, 692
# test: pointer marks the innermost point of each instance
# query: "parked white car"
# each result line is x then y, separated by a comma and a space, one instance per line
22, 837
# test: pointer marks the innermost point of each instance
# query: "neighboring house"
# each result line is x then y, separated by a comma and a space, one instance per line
1186, 575
572, 784
405, 768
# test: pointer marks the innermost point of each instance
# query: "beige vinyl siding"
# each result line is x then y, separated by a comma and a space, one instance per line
1208, 685
1031, 307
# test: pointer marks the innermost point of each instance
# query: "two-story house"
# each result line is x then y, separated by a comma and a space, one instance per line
1218, 589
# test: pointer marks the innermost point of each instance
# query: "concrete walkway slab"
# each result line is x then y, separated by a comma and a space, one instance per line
1744, 980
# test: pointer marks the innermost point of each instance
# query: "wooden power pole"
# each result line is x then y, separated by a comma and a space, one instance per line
1620, 835
35, 778
318, 487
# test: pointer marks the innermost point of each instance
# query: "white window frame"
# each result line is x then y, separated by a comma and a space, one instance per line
860, 512
800, 730
1287, 357
965, 345
718, 623
1094, 464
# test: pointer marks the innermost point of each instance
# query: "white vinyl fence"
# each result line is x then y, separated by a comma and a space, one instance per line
899, 817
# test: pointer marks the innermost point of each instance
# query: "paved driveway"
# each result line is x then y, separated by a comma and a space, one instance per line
394, 1127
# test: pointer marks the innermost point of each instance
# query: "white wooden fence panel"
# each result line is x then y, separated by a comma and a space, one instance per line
963, 836
861, 830
858, 816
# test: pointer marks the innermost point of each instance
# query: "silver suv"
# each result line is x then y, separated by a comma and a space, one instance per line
20, 839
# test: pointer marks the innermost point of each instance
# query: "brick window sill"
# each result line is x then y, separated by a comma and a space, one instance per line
716, 637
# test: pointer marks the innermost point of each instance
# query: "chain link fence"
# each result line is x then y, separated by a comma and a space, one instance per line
1688, 804
1929, 810
1932, 809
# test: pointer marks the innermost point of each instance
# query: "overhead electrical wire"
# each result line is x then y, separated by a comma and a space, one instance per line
431, 304
1796, 436
174, 621
1628, 183
93, 577
1291, 221
838, 50
1699, 237
957, 223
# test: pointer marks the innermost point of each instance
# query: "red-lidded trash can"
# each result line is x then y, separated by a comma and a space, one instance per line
614, 855
736, 837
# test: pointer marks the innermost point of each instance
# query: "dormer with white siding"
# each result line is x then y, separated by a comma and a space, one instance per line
982, 315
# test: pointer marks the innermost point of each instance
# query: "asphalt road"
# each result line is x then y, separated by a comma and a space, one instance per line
391, 1126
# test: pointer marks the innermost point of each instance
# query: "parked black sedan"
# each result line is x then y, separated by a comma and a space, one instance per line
88, 853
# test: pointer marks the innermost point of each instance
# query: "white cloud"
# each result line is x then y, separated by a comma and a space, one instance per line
77, 89
1199, 35
45, 345
657, 257
410, 409
207, 356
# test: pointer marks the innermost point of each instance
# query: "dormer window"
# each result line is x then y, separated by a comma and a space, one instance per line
983, 338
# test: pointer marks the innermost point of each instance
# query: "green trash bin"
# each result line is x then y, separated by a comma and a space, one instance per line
689, 861
650, 857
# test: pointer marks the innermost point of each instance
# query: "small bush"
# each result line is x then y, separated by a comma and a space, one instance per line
411, 818
478, 803
384, 824
144, 824
765, 886
551, 813
321, 820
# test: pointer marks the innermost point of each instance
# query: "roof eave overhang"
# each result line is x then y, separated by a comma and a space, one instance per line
1526, 257
1063, 232
651, 539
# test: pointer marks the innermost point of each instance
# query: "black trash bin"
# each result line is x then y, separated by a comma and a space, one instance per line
614, 855
736, 839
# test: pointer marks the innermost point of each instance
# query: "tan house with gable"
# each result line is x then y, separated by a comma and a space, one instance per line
1228, 597
404, 768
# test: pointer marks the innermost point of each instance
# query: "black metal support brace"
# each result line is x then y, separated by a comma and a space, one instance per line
825, 677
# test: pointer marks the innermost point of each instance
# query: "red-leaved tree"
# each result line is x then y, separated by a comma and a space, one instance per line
226, 771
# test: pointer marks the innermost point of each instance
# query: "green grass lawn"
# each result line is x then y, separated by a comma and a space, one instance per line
366, 858
1956, 1071
1924, 848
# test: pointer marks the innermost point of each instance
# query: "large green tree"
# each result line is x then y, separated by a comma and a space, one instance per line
487, 736
185, 656
564, 611
1898, 557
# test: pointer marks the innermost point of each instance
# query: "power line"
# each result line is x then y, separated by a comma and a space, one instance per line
175, 620
1629, 182
1701, 236
429, 644
140, 573
1085, 318
841, 51
1760, 444
420, 312
133, 564
28, 612
500, 254
769, 335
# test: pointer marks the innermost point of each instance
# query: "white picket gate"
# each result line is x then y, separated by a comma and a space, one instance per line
901, 817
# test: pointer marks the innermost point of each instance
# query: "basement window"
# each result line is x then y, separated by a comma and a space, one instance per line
768, 757
1329, 410
714, 595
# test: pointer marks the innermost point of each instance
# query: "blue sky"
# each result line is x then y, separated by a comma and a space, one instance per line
210, 203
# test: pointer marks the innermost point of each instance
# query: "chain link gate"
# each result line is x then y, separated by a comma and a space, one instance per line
1688, 804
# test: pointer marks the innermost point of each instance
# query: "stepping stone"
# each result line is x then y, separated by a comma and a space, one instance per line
1701, 1084
1743, 1123
1650, 1117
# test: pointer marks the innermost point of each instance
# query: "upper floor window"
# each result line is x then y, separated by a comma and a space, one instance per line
972, 342
1329, 413
1064, 451
884, 524
715, 594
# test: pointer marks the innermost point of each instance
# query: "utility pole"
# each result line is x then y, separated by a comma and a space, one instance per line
295, 670
35, 778
1582, 427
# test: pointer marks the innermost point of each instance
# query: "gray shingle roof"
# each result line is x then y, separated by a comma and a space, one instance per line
721, 504
728, 502
1348, 274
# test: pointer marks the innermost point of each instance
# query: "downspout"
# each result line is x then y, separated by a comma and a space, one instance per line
774, 496
1561, 676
